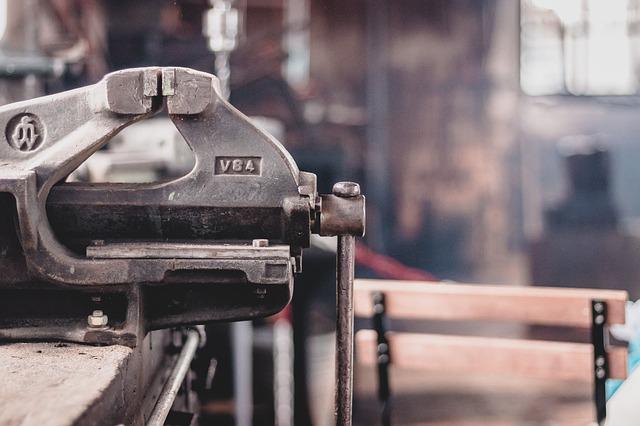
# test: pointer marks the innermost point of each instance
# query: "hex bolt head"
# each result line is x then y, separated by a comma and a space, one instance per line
598, 307
97, 319
260, 243
346, 189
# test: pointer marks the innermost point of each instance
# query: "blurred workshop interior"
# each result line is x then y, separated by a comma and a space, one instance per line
494, 140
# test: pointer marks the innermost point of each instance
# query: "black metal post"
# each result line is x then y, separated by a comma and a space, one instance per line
600, 362
383, 357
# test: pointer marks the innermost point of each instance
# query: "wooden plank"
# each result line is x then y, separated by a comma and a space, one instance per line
491, 356
530, 305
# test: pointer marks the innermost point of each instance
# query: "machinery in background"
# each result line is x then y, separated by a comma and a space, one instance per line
163, 155
584, 243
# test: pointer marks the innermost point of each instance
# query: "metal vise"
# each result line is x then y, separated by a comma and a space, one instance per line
106, 263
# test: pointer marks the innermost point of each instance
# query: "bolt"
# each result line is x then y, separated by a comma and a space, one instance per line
598, 307
600, 361
97, 319
260, 243
600, 373
383, 348
599, 319
346, 189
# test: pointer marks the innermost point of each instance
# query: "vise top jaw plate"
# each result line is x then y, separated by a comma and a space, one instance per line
155, 250
260, 265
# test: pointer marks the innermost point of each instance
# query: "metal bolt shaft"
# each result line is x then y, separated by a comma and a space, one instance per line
344, 329
344, 317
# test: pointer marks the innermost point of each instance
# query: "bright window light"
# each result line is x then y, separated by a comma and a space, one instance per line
3, 17
580, 47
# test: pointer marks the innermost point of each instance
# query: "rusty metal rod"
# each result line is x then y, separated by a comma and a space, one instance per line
344, 329
177, 376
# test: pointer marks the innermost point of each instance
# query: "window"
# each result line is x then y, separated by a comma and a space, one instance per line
580, 47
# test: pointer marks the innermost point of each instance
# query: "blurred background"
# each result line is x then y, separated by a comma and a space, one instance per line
495, 141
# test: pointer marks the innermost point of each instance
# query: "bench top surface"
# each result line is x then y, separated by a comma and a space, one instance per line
554, 306
453, 288
54, 383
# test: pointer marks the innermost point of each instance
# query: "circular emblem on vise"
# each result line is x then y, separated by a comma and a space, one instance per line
24, 132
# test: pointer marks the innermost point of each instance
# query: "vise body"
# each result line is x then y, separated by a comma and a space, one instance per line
106, 262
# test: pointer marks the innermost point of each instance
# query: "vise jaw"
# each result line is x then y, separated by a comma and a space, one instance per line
219, 244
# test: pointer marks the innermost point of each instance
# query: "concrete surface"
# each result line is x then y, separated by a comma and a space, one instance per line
55, 383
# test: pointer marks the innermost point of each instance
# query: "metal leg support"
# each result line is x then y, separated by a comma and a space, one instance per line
600, 364
384, 357
177, 376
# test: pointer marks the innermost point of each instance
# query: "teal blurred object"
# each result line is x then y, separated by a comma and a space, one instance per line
633, 330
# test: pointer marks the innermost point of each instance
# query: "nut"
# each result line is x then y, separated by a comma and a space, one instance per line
260, 243
97, 319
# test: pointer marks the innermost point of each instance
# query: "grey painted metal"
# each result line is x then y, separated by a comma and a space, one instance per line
177, 376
